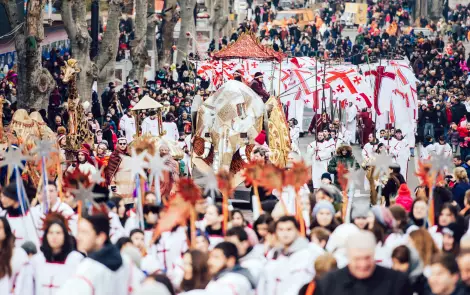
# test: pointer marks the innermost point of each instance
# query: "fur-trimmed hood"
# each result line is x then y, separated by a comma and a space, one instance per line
339, 150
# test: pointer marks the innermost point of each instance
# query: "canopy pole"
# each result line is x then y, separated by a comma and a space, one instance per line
279, 82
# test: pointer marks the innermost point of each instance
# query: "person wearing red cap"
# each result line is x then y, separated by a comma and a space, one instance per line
404, 198
261, 138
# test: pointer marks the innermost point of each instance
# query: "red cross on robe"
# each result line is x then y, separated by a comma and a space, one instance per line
50, 286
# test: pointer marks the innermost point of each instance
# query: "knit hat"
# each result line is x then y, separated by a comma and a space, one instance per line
10, 191
332, 192
384, 216
360, 211
339, 236
326, 175
323, 205
261, 138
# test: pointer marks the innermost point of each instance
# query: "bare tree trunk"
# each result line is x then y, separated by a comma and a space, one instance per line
74, 18
187, 26
217, 20
151, 43
168, 27
34, 82
139, 55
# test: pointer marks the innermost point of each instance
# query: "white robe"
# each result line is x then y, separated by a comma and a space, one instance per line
116, 230
59, 207
351, 124
171, 131
94, 278
128, 126
288, 273
400, 151
230, 284
170, 248
24, 228
150, 126
254, 262
19, 260
319, 166
40, 277
368, 151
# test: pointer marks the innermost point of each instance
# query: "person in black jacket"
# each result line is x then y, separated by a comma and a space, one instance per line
458, 111
362, 276
394, 181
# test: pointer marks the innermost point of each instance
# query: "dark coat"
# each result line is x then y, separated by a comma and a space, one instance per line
259, 89
342, 282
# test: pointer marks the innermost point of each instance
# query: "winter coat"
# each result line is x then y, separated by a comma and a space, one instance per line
348, 161
342, 282
458, 192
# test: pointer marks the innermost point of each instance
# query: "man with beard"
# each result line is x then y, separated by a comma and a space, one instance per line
320, 154
292, 264
228, 277
116, 175
400, 151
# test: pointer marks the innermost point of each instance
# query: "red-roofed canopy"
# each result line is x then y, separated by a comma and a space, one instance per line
247, 46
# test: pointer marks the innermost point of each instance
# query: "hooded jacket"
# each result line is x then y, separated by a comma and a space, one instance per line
288, 270
236, 280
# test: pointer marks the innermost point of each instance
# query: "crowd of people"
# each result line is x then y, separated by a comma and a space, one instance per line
403, 240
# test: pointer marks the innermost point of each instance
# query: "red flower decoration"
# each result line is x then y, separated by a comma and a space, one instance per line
72, 179
297, 176
253, 171
272, 178
188, 190
224, 180
423, 174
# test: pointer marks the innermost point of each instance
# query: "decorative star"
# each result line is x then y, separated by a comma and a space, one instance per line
157, 166
97, 176
13, 157
381, 162
211, 187
136, 163
440, 162
43, 148
355, 177
85, 194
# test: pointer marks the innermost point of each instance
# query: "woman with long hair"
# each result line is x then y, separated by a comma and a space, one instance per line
11, 259
239, 220
261, 226
196, 272
447, 215
54, 264
422, 241
419, 213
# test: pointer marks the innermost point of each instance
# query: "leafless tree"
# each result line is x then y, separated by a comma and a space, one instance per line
35, 83
74, 17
